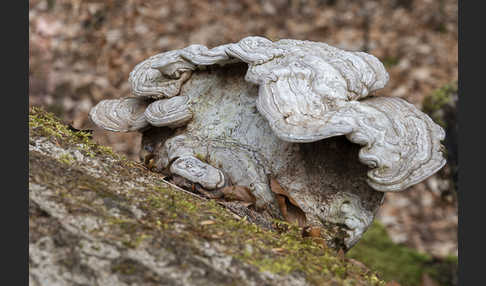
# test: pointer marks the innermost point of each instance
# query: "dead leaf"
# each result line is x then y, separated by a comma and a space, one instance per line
246, 204
217, 235
311, 231
314, 233
238, 193
320, 241
363, 267
278, 250
289, 208
207, 222
340, 254
392, 283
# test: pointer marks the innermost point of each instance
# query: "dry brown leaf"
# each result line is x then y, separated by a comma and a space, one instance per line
207, 222
238, 193
320, 241
340, 254
392, 283
363, 267
215, 236
246, 204
278, 250
289, 208
311, 231
314, 233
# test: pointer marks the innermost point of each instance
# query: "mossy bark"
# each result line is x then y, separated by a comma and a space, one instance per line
96, 218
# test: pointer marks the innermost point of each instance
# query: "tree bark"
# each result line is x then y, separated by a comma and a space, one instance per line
96, 218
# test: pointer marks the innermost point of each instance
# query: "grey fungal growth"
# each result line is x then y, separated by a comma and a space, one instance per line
215, 124
197, 171
172, 112
120, 115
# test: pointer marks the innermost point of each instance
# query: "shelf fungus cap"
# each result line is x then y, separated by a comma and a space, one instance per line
197, 171
120, 115
172, 112
308, 91
160, 76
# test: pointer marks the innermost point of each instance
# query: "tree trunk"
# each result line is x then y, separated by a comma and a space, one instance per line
96, 218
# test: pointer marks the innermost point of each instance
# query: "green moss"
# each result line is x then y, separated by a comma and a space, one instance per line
393, 261
434, 103
42, 123
66, 159
390, 61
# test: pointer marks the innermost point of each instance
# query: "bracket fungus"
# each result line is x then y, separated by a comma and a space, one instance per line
249, 112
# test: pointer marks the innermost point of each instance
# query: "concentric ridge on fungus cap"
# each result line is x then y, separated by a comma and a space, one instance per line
120, 115
308, 91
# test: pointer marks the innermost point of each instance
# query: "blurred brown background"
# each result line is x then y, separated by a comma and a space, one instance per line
82, 52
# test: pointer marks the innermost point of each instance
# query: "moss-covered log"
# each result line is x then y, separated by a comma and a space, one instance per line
96, 218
